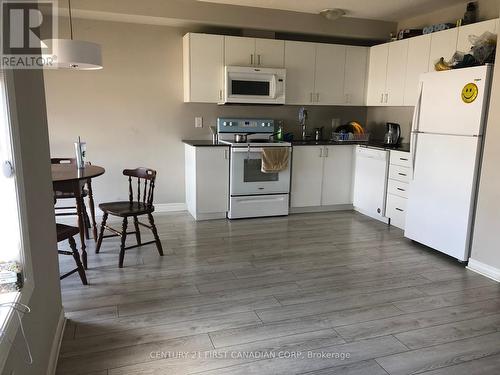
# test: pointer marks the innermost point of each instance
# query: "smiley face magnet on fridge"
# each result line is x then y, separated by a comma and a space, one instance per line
469, 93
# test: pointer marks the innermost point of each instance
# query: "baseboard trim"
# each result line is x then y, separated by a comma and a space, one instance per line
484, 269
338, 207
56, 344
383, 219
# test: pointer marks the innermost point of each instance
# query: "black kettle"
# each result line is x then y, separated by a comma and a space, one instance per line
393, 134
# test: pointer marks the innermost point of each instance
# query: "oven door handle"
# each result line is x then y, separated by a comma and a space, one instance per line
259, 200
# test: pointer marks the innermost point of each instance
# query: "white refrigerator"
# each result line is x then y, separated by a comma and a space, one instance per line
446, 146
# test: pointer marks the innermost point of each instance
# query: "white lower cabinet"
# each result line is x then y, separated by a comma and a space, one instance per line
207, 181
397, 188
322, 176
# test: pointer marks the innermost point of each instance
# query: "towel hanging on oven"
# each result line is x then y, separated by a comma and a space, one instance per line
274, 159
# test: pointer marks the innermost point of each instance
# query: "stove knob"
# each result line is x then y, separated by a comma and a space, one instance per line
263, 124
230, 123
268, 124
224, 123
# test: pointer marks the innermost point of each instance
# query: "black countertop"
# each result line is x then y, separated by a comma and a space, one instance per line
405, 147
203, 143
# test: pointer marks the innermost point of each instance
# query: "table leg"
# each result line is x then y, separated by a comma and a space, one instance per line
81, 223
92, 208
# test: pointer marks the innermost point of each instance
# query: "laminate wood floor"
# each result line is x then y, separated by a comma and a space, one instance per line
323, 293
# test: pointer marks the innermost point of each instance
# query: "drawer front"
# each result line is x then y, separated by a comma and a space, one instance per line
401, 158
398, 188
396, 210
399, 173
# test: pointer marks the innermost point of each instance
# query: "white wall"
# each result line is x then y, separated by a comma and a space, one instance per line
131, 113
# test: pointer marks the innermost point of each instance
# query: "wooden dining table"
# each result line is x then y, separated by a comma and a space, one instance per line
70, 179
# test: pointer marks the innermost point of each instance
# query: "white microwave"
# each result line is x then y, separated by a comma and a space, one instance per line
252, 85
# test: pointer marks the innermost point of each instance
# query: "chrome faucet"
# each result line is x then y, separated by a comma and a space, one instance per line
303, 122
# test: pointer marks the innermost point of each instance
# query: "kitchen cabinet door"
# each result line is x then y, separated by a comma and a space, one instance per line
300, 60
307, 176
338, 175
270, 53
239, 51
417, 63
203, 56
377, 74
330, 74
212, 179
478, 28
396, 71
355, 75
443, 44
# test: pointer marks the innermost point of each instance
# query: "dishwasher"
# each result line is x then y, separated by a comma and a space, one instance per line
370, 182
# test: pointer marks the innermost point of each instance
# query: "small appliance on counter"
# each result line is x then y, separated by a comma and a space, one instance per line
254, 189
393, 134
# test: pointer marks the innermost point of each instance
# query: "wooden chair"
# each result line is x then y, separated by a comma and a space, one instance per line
131, 208
71, 195
66, 232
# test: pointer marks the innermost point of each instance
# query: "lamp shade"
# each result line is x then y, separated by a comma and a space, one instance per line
75, 54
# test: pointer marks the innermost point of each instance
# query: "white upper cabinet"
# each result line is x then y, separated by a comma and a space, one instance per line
417, 63
396, 71
203, 63
300, 66
356, 65
443, 44
330, 73
270, 53
239, 51
377, 75
476, 29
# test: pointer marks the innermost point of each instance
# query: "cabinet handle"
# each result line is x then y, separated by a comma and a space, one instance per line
258, 59
311, 97
402, 174
321, 152
251, 59
381, 98
401, 189
326, 152
403, 159
226, 154
399, 209
317, 97
220, 94
386, 97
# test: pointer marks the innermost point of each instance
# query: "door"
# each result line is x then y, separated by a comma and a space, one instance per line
396, 71
442, 108
370, 180
270, 53
307, 176
476, 29
203, 68
338, 175
417, 64
329, 75
441, 199
212, 179
355, 75
443, 44
300, 60
247, 177
377, 74
239, 51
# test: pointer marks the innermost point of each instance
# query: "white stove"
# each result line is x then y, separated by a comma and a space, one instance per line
252, 192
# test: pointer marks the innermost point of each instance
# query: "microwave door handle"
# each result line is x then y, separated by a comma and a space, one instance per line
274, 81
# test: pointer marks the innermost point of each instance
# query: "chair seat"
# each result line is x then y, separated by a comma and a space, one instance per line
64, 194
124, 209
66, 231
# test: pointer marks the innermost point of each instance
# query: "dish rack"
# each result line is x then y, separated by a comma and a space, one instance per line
350, 137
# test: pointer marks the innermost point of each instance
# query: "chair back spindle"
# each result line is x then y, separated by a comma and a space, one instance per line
147, 175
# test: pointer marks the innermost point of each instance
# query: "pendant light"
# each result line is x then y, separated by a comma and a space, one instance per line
75, 54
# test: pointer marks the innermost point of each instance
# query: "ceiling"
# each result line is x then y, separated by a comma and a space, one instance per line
384, 10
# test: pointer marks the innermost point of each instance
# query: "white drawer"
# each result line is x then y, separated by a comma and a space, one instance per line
396, 210
399, 173
401, 158
398, 188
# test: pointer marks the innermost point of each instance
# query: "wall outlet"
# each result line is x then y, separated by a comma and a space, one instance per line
198, 122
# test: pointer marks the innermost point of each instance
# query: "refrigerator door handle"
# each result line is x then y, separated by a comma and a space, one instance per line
415, 126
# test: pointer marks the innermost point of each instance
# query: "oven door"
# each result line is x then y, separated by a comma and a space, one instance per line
247, 177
